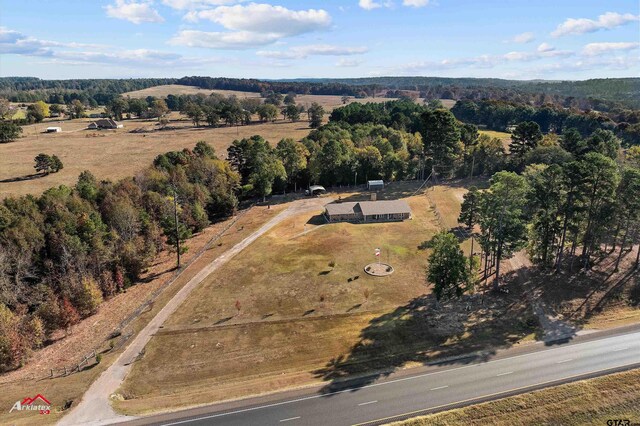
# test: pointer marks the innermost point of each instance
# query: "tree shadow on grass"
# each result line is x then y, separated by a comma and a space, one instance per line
23, 178
421, 332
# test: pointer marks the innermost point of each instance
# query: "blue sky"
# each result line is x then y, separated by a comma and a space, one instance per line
560, 39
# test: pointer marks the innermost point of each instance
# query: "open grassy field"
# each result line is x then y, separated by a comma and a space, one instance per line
588, 402
299, 309
114, 154
503, 136
94, 331
329, 102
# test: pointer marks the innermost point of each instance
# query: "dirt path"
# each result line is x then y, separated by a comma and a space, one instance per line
94, 408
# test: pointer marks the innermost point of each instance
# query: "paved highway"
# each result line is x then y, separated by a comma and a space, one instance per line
434, 390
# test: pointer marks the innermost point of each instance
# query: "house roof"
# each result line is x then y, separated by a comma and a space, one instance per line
369, 208
384, 207
341, 208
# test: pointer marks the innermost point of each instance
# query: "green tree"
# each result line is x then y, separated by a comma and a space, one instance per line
77, 109
469, 210
628, 207
9, 131
547, 196
43, 163
37, 111
447, 267
291, 112
524, 138
6, 111
294, 158
159, 108
195, 113
267, 112
316, 115
503, 218
441, 137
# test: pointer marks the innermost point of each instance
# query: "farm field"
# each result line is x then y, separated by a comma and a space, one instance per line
292, 309
329, 102
114, 154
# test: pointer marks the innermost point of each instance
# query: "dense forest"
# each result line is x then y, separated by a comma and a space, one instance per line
63, 252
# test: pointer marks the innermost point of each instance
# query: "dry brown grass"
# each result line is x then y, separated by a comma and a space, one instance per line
299, 314
329, 102
94, 330
588, 402
115, 154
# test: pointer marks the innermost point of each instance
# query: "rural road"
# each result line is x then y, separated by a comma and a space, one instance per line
430, 390
94, 408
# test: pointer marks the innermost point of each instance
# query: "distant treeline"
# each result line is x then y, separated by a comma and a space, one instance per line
499, 115
598, 94
92, 92
589, 93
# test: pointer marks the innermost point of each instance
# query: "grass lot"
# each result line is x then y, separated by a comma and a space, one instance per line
588, 402
503, 136
117, 153
93, 331
301, 321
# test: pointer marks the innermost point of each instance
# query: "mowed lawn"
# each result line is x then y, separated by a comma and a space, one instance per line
282, 314
503, 136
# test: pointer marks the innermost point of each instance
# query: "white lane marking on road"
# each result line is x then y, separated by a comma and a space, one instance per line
564, 360
418, 376
504, 374
620, 349
289, 419
439, 387
367, 403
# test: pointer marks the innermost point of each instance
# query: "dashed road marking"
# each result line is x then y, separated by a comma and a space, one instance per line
367, 403
439, 387
289, 419
504, 374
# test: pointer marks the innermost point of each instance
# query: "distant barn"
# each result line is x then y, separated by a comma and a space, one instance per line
368, 211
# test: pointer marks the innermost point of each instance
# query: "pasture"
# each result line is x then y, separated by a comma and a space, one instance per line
114, 154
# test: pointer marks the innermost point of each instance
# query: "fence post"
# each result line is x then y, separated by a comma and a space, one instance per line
65, 370
52, 372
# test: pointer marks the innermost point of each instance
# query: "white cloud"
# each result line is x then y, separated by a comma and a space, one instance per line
265, 18
252, 25
223, 40
346, 63
523, 38
594, 49
133, 11
373, 4
197, 4
545, 47
14, 42
415, 3
607, 21
369, 4
301, 52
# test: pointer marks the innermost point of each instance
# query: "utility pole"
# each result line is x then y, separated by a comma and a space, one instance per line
473, 164
175, 218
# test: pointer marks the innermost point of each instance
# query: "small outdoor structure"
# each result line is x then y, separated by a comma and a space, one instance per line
53, 129
315, 190
105, 123
375, 185
368, 211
